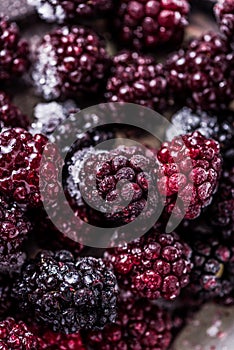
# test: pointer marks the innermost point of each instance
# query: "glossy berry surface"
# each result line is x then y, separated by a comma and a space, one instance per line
10, 115
67, 294
148, 24
224, 12
70, 61
154, 266
190, 167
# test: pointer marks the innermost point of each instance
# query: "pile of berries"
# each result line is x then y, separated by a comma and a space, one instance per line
163, 213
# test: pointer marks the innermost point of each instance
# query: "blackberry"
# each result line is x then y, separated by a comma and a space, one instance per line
137, 78
224, 12
153, 266
6, 301
115, 182
14, 230
67, 294
140, 325
70, 61
148, 24
203, 73
19, 163
16, 335
190, 167
59, 10
14, 51
10, 115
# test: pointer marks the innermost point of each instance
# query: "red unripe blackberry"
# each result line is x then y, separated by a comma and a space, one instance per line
148, 24
10, 115
60, 10
70, 61
157, 265
137, 78
59, 341
14, 51
224, 12
190, 167
202, 74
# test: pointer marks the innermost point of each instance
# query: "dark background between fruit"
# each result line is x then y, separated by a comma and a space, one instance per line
212, 327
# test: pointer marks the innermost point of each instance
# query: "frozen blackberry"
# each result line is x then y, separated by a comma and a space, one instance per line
60, 10
138, 79
202, 74
14, 51
224, 12
16, 336
190, 167
148, 24
116, 182
67, 294
20, 155
140, 325
10, 115
157, 265
70, 61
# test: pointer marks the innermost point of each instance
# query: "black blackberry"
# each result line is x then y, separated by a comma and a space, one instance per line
67, 294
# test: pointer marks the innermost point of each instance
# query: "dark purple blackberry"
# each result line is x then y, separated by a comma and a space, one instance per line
148, 24
202, 74
140, 325
17, 336
10, 115
70, 61
224, 12
157, 265
14, 51
67, 294
138, 79
116, 182
60, 10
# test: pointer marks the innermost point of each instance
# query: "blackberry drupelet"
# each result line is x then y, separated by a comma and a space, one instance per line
70, 61
10, 115
190, 167
137, 78
67, 294
60, 11
14, 51
149, 24
157, 265
202, 74
224, 12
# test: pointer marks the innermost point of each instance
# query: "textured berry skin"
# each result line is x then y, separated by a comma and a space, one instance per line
19, 162
140, 325
117, 181
69, 62
137, 78
190, 167
16, 336
148, 24
10, 115
67, 294
224, 12
14, 229
154, 266
14, 51
202, 74
60, 10
59, 341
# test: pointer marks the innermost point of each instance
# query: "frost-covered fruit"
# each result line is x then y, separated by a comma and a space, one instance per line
140, 325
224, 12
149, 24
116, 183
157, 265
14, 51
190, 167
67, 294
17, 336
202, 74
70, 61
10, 115
137, 78
60, 10
20, 155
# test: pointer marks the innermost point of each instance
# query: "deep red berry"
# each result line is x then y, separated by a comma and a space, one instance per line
224, 12
10, 115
